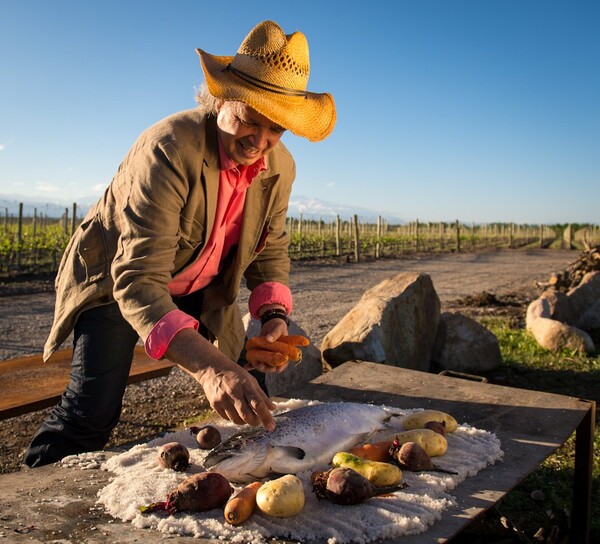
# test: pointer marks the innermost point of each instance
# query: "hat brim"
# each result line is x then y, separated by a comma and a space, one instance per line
311, 116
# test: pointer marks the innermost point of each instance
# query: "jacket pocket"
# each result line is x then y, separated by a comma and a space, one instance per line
93, 250
262, 241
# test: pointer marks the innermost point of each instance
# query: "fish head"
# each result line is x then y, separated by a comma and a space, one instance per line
240, 458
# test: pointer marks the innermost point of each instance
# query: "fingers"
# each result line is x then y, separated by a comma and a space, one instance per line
244, 402
251, 410
261, 408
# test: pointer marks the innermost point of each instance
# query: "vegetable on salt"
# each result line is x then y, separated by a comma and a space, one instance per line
198, 493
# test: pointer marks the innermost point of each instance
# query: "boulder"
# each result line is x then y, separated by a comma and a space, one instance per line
551, 305
560, 321
584, 301
555, 335
307, 369
394, 323
464, 345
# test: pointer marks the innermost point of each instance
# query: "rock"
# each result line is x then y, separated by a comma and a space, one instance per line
559, 321
551, 305
584, 301
394, 323
307, 369
464, 345
555, 335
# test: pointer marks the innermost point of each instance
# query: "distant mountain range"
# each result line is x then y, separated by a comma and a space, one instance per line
307, 207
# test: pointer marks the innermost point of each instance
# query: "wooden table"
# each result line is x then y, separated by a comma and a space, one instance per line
53, 502
30, 384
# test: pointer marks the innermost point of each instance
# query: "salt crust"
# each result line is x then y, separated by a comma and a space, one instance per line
140, 481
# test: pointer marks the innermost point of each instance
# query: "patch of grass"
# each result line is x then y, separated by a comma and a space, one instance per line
200, 418
543, 499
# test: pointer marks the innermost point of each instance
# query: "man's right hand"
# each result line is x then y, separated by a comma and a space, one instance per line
231, 391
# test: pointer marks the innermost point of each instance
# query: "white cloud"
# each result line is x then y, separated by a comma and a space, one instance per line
99, 188
2, 146
330, 184
46, 187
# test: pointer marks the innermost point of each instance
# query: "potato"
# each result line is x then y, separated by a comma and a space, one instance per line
281, 498
377, 472
433, 443
417, 420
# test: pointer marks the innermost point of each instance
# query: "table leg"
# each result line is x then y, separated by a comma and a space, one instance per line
582, 479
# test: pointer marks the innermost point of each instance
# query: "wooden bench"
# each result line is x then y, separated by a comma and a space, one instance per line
29, 384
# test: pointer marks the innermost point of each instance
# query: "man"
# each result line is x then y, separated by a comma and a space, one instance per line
198, 203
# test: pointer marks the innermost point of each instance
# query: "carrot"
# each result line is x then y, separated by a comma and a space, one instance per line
240, 507
260, 342
294, 340
262, 356
376, 451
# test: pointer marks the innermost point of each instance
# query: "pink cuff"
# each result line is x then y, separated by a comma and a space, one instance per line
163, 332
270, 292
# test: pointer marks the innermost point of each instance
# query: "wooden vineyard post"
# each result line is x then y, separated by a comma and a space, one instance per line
337, 236
378, 238
66, 221
74, 219
417, 246
300, 235
19, 234
356, 240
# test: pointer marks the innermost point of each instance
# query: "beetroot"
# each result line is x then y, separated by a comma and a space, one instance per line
346, 486
437, 426
207, 437
411, 456
198, 493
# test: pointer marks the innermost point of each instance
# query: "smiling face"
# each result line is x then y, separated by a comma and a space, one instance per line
246, 135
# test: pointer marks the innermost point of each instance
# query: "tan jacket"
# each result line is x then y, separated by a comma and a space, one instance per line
153, 220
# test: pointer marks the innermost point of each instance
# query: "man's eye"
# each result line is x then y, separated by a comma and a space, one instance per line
244, 122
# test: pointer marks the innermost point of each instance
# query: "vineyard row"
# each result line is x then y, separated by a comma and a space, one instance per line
35, 244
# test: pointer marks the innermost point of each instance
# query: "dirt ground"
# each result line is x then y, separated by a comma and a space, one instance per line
476, 283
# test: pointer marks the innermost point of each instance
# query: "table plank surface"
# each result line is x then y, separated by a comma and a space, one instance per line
30, 384
530, 425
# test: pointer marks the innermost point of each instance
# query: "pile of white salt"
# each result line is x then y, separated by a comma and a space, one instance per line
140, 481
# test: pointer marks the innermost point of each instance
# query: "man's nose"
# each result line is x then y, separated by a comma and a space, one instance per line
260, 137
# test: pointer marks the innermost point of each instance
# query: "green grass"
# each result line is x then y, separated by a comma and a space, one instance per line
527, 365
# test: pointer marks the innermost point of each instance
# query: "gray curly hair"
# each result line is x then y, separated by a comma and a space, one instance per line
206, 101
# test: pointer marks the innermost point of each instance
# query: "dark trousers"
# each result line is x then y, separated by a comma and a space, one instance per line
90, 407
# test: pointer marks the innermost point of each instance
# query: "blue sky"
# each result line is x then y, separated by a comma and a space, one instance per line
477, 110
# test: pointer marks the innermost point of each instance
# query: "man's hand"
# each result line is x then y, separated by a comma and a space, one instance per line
231, 391
276, 355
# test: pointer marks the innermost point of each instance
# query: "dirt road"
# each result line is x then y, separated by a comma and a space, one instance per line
323, 293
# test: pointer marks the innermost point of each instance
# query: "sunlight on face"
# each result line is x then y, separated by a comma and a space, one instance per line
246, 134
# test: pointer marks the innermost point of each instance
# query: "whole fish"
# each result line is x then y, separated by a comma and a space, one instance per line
303, 438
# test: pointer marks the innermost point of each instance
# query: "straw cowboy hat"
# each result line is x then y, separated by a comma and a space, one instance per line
269, 73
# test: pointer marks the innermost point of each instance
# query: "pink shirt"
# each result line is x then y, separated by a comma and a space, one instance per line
234, 180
